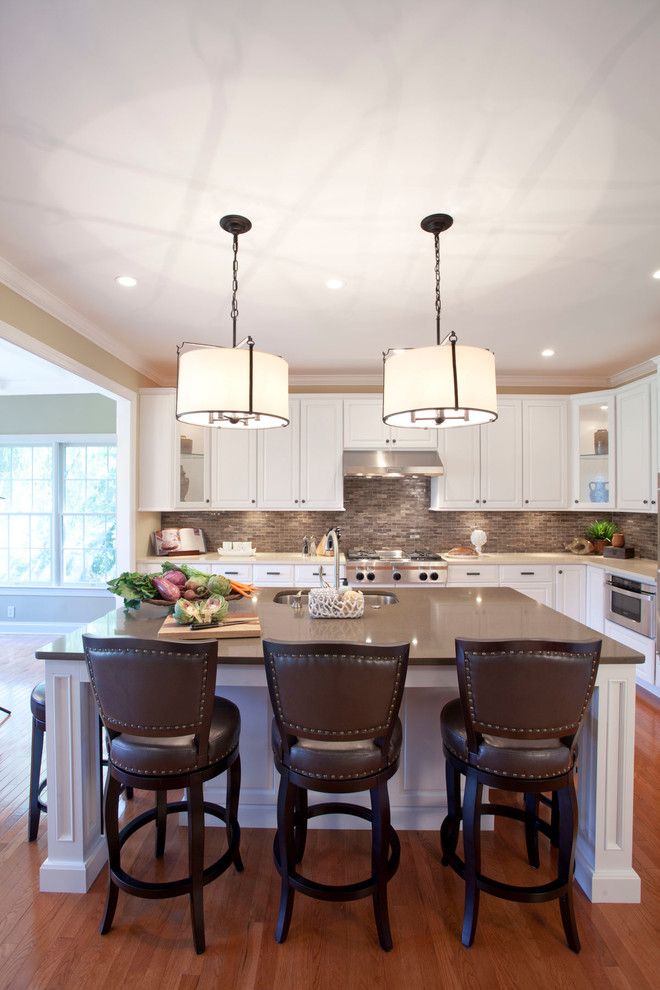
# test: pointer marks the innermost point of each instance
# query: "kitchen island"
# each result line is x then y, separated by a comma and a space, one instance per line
430, 619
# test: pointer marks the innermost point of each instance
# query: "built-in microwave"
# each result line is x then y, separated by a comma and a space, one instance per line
631, 604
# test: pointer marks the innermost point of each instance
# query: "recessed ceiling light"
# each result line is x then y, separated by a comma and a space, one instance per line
548, 352
656, 274
334, 283
126, 281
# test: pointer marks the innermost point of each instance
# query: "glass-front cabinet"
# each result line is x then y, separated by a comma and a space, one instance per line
192, 474
592, 440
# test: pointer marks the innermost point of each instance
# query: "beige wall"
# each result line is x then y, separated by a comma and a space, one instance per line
29, 319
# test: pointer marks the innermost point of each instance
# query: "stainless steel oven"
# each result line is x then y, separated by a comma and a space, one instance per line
631, 604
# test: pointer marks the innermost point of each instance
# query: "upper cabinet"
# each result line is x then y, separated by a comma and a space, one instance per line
545, 442
234, 475
592, 444
192, 467
156, 447
364, 428
636, 447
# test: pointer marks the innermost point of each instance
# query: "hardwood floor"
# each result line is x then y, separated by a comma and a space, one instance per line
51, 940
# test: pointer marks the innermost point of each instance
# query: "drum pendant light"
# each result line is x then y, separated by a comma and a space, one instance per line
233, 387
444, 385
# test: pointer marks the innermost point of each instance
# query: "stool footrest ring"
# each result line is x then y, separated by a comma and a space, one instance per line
344, 891
174, 888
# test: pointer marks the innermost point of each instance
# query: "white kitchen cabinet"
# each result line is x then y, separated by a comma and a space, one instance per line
535, 581
645, 671
467, 575
544, 450
321, 453
273, 574
501, 457
595, 605
635, 439
237, 572
300, 467
364, 428
278, 476
593, 432
192, 466
234, 469
156, 450
483, 464
570, 590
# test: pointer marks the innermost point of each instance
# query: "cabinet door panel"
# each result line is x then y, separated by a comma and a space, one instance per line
363, 424
234, 469
633, 445
545, 455
278, 475
413, 438
192, 473
321, 454
570, 590
459, 486
501, 457
541, 592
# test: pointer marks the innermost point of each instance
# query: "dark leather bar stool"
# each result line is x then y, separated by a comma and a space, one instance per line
336, 729
36, 805
514, 728
166, 730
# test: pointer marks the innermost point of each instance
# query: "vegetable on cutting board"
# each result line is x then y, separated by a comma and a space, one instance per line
174, 583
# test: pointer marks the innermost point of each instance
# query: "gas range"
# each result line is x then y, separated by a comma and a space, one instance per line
419, 568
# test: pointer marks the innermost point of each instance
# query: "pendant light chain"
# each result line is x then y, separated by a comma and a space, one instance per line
234, 289
438, 304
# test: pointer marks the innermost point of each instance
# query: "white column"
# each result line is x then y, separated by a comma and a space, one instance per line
603, 865
76, 847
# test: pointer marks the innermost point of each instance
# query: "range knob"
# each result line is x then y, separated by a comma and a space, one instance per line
433, 575
371, 576
359, 576
423, 576
396, 575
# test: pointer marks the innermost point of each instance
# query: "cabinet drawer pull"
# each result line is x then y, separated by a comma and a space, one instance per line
527, 573
234, 573
273, 573
473, 574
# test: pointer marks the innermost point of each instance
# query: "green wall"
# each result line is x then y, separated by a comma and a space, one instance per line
30, 414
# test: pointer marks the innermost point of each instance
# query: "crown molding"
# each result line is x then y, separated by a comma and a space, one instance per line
26, 287
340, 381
636, 371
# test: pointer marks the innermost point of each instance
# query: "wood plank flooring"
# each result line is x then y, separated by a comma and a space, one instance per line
51, 940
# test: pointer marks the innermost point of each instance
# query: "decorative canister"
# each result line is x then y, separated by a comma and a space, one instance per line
601, 442
618, 540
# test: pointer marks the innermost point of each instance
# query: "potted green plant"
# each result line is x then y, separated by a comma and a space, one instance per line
600, 533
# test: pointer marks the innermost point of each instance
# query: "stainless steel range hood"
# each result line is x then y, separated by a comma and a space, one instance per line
392, 463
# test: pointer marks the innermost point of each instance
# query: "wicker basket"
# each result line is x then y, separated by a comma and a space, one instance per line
327, 603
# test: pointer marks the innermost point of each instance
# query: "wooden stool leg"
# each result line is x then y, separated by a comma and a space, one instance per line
451, 826
129, 793
233, 796
287, 852
35, 773
380, 808
531, 831
300, 815
112, 791
568, 822
161, 823
472, 847
554, 819
196, 861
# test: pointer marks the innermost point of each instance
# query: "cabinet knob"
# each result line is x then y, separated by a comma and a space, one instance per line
208, 500
387, 441
295, 500
477, 501
652, 501
646, 501
253, 500
483, 501
303, 501
394, 441
526, 501
576, 500
560, 572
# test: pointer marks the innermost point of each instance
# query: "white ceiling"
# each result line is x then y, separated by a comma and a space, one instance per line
127, 129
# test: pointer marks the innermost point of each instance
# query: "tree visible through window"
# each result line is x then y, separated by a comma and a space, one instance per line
58, 513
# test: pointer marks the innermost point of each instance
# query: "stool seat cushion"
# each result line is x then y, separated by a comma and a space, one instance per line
534, 759
38, 701
329, 760
156, 755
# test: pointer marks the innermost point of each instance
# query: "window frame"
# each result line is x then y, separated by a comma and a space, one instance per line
57, 442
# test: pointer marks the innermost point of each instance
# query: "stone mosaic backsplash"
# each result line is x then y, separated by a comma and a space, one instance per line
389, 512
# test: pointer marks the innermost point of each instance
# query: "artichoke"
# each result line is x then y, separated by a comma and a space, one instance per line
185, 612
219, 586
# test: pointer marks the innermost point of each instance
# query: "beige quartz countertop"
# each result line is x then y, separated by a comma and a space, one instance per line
430, 619
241, 558
635, 567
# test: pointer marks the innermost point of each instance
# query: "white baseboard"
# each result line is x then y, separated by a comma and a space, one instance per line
35, 628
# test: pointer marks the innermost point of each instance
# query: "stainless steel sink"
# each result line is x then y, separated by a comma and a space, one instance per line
372, 599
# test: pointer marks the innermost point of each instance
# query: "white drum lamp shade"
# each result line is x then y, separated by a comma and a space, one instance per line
232, 387
440, 386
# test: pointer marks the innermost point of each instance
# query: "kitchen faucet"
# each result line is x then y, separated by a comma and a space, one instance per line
334, 539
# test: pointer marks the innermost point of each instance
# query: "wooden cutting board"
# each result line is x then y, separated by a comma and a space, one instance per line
236, 626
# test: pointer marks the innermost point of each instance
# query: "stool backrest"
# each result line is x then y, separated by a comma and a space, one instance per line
146, 688
525, 689
335, 691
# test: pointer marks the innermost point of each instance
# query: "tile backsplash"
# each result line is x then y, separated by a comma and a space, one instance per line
382, 512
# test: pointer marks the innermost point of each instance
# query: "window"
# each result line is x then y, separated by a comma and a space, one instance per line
57, 513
